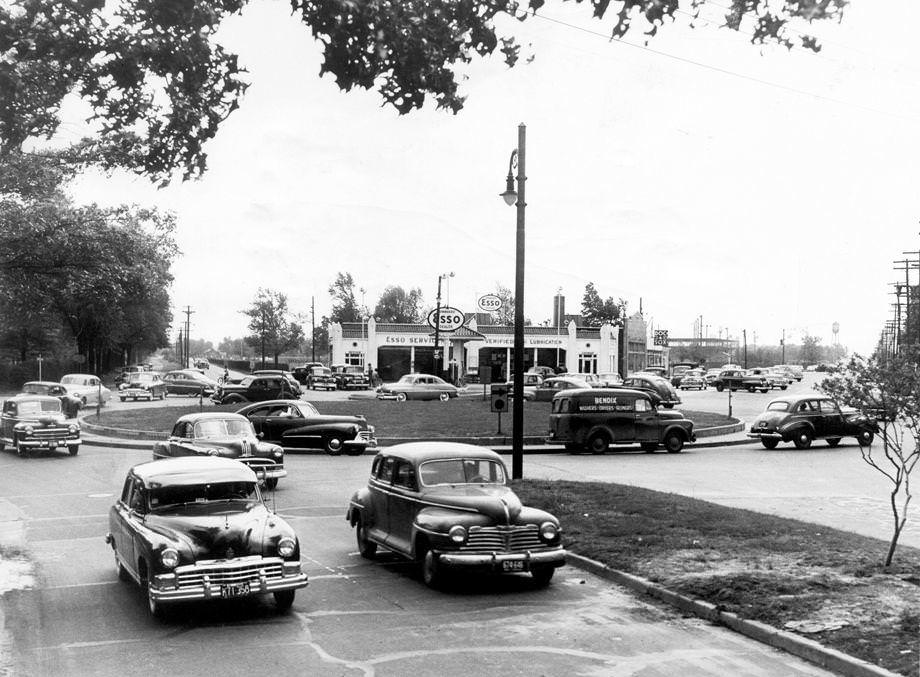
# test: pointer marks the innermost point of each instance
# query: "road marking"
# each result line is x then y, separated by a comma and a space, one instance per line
101, 495
82, 585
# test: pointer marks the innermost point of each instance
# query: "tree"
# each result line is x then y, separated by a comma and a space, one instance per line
811, 352
344, 306
159, 85
270, 321
596, 312
888, 388
398, 305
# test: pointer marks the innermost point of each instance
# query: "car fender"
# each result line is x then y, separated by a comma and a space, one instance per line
348, 429
358, 505
160, 450
685, 435
789, 430
596, 428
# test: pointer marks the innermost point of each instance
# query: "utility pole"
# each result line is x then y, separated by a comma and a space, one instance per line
782, 343
313, 327
188, 318
908, 265
180, 346
744, 334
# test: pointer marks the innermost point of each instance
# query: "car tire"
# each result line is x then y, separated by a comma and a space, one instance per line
865, 438
401, 397
649, 447
669, 406
673, 443
284, 599
751, 389
432, 575
121, 572
123, 399
763, 390
769, 443
73, 449
21, 450
444, 397
802, 439
271, 482
598, 443
366, 548
832, 441
542, 575
720, 387
334, 445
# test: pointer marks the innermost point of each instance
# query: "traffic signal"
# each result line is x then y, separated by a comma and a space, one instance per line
499, 398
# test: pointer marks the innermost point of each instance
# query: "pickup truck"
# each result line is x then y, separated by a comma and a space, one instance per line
739, 379
254, 389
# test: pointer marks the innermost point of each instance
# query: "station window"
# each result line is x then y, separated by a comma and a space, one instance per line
354, 359
587, 363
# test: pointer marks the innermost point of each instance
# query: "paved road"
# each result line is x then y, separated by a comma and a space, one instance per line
356, 618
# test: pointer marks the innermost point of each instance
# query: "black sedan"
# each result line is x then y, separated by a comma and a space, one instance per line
192, 529
298, 425
189, 382
226, 435
805, 418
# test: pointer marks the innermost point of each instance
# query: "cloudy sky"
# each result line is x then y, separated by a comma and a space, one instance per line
763, 189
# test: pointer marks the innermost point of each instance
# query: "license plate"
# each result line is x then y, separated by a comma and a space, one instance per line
234, 590
514, 565
45, 443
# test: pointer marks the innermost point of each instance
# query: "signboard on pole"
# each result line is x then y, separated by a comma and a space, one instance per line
448, 319
490, 303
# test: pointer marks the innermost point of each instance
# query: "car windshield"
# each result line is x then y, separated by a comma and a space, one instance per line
143, 377
72, 380
778, 406
174, 496
462, 471
35, 388
39, 407
223, 427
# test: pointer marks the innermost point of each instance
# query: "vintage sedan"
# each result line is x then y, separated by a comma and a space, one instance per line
321, 378
36, 422
805, 418
775, 379
148, 385
190, 529
286, 375
298, 425
189, 382
70, 405
418, 387
226, 435
658, 386
692, 379
548, 389
449, 507
87, 387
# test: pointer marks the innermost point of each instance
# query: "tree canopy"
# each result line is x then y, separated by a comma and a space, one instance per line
344, 306
596, 311
398, 305
160, 86
271, 323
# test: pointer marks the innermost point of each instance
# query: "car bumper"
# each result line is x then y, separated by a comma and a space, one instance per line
49, 444
502, 562
765, 434
135, 393
164, 588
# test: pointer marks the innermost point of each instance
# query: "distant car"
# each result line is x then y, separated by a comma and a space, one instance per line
609, 379
298, 425
321, 378
792, 371
288, 376
126, 373
188, 529
302, 372
663, 393
692, 379
740, 379
593, 380
775, 379
678, 370
350, 377
804, 418
226, 435
712, 375
254, 389
201, 364
593, 420
148, 385
548, 389
531, 381
87, 387
36, 422
543, 370
657, 370
70, 405
450, 507
418, 387
189, 382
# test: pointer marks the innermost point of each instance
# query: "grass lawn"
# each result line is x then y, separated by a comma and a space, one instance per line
465, 416
760, 567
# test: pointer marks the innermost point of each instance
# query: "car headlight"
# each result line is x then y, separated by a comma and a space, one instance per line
549, 531
278, 453
123, 386
72, 429
213, 452
169, 558
286, 547
457, 534
29, 430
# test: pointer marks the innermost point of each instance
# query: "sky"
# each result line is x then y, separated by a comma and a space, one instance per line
762, 189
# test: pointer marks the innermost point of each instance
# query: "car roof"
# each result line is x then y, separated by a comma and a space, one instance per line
186, 470
209, 415
30, 397
81, 375
602, 391
426, 451
263, 403
795, 399
41, 383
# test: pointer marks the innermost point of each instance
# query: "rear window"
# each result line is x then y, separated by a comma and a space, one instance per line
778, 406
562, 405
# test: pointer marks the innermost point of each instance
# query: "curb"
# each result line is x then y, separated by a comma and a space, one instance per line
804, 648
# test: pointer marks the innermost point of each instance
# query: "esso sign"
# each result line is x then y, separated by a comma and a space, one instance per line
490, 303
448, 319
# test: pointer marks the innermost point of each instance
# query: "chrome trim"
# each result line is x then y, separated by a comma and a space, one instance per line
203, 579
493, 560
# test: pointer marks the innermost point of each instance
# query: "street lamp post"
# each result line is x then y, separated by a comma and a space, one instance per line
517, 198
437, 325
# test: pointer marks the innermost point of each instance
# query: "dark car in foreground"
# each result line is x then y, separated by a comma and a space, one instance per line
196, 529
450, 507
226, 435
298, 425
31, 423
594, 419
806, 418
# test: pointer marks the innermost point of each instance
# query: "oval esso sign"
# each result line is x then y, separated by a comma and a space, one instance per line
490, 303
449, 319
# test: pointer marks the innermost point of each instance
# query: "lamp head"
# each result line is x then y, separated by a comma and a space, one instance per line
510, 195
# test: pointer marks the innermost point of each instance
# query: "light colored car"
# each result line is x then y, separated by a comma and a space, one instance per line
609, 379
532, 380
418, 387
548, 389
712, 375
693, 379
87, 388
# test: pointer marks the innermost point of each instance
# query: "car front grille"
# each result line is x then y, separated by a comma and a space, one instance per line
49, 433
229, 572
364, 436
504, 539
